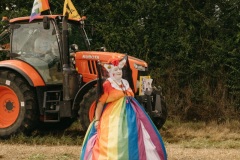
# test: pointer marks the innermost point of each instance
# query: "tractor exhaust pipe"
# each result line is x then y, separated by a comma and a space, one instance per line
66, 60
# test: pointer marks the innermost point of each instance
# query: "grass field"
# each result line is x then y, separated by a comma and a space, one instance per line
202, 135
198, 141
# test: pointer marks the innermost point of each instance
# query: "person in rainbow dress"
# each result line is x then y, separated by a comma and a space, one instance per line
121, 129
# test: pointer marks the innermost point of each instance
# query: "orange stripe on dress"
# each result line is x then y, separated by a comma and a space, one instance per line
103, 134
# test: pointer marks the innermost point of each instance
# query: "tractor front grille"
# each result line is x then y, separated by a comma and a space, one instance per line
92, 66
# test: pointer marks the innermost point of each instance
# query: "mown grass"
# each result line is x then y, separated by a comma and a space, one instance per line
71, 136
186, 134
202, 135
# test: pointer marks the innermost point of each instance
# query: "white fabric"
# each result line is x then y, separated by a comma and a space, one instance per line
114, 84
151, 152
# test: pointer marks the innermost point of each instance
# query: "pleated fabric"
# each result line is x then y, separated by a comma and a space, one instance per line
125, 132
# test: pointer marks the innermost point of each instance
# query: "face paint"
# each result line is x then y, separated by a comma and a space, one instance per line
116, 73
114, 68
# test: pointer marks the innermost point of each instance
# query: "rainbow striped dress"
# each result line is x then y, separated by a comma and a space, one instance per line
125, 131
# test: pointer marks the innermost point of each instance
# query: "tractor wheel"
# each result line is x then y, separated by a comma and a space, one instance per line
18, 107
88, 100
159, 121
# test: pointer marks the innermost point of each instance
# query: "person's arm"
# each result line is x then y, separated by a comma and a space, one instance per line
98, 113
101, 102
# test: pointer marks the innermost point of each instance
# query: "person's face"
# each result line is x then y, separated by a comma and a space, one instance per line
116, 73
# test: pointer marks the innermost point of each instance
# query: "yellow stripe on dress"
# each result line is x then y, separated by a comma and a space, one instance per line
113, 129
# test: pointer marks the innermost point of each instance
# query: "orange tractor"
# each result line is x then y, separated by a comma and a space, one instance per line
50, 76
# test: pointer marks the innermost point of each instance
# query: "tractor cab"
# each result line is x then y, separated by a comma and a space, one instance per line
41, 46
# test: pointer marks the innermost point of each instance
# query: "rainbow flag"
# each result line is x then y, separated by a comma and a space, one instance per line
38, 7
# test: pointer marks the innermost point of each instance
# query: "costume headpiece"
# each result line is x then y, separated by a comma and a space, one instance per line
115, 62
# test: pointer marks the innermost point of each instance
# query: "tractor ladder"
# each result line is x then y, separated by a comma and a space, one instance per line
51, 106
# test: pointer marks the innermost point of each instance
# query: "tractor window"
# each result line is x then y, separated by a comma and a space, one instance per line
77, 36
4, 44
38, 47
25, 35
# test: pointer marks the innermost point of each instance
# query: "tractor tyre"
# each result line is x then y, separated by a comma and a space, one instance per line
88, 99
18, 105
159, 121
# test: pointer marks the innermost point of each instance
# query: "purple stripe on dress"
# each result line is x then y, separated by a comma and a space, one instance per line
89, 148
150, 129
141, 146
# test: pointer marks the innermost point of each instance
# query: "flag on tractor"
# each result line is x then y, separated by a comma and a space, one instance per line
70, 9
38, 7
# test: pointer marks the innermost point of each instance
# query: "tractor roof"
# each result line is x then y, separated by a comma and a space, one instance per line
41, 17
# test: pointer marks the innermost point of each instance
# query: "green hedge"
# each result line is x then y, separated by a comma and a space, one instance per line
192, 48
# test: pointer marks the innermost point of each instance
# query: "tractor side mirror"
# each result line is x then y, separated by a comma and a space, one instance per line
46, 22
5, 19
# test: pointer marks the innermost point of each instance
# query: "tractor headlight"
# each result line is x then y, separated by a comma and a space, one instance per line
139, 67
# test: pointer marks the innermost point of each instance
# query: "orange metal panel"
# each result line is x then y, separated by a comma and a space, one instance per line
27, 69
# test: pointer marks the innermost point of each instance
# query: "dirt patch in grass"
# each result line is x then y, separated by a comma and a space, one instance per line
178, 152
175, 152
38, 152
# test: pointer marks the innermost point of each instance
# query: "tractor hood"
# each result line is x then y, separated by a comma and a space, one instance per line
105, 56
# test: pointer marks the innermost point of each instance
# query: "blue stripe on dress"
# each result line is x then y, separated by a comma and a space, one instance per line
92, 131
132, 132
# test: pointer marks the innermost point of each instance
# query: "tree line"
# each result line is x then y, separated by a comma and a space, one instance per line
192, 47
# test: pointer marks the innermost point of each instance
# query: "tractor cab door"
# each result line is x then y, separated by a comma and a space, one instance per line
38, 47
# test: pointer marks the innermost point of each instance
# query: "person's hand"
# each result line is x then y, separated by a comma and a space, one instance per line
96, 124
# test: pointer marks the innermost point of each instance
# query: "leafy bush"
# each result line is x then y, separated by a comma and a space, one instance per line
192, 47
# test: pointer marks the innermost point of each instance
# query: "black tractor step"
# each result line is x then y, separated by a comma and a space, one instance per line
51, 106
